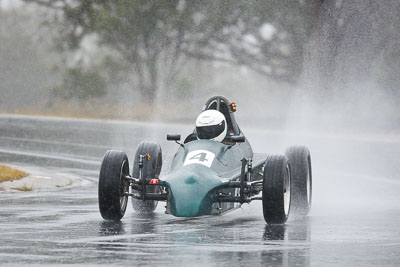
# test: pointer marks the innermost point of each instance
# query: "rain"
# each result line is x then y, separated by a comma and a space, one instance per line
78, 78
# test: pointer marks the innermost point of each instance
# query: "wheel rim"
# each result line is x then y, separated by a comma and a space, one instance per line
286, 192
123, 200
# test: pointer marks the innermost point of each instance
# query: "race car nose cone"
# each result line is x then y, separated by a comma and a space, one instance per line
188, 199
190, 180
191, 191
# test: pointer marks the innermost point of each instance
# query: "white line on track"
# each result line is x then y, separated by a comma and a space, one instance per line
92, 161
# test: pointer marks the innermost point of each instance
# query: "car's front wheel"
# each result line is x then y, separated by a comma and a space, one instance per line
112, 185
276, 196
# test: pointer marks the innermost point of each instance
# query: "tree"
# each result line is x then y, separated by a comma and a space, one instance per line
155, 37
80, 84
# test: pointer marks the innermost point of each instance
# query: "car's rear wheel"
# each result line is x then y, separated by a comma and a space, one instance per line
112, 185
151, 169
276, 196
300, 163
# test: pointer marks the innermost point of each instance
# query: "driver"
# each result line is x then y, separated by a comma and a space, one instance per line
211, 124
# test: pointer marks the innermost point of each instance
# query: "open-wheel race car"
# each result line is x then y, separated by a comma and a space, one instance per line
207, 176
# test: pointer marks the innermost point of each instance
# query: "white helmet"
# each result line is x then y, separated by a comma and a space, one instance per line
211, 124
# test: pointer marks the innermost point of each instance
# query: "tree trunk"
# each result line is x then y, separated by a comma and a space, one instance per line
150, 86
317, 10
324, 45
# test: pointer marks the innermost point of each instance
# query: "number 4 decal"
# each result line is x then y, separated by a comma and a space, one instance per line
203, 157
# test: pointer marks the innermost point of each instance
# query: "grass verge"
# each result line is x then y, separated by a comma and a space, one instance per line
9, 174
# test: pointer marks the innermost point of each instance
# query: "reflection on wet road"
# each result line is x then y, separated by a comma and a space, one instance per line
65, 227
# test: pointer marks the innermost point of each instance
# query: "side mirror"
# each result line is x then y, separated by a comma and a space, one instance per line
173, 137
238, 139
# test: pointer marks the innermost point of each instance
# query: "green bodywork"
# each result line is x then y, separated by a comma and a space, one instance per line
192, 190
193, 187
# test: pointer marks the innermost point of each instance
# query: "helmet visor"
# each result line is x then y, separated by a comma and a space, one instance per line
210, 132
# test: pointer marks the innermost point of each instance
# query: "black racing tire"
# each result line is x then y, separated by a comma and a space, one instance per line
151, 169
300, 163
276, 190
112, 185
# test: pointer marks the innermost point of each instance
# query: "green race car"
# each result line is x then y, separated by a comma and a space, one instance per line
208, 176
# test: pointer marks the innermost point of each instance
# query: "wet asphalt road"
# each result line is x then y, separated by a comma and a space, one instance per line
355, 220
